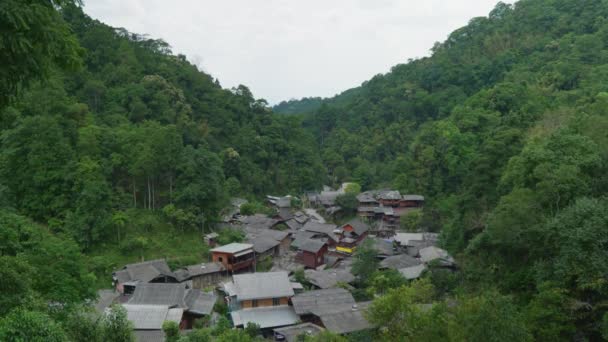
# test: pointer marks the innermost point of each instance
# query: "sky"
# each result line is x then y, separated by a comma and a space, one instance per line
284, 49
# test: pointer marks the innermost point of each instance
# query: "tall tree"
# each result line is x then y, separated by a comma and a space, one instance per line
35, 39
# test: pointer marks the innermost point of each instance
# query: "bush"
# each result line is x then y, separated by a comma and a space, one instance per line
171, 330
411, 221
221, 308
226, 236
252, 329
264, 264
348, 202
252, 208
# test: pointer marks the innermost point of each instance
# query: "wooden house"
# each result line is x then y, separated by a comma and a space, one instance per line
334, 309
201, 276
153, 271
352, 233
355, 229
411, 201
389, 198
193, 303
235, 256
367, 199
261, 298
270, 242
311, 253
323, 231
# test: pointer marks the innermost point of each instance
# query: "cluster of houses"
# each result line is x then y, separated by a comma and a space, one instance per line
384, 208
387, 207
152, 293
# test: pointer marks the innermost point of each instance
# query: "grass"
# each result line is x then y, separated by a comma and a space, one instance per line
150, 237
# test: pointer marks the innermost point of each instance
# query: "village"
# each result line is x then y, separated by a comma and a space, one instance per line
290, 276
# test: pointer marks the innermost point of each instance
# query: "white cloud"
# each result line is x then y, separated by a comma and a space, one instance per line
285, 49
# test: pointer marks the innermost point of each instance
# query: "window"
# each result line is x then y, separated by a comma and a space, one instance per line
254, 303
276, 301
220, 259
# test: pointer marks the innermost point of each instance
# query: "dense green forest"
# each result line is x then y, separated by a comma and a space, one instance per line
136, 127
112, 147
305, 105
505, 130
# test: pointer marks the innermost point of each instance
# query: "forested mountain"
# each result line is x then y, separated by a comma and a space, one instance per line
138, 127
305, 105
106, 138
504, 129
112, 148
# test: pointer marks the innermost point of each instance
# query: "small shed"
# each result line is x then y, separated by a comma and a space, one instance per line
211, 239
311, 253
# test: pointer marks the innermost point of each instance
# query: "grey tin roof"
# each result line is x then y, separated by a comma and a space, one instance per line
266, 317
320, 302
262, 285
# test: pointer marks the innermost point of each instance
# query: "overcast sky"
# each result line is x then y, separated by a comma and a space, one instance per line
284, 49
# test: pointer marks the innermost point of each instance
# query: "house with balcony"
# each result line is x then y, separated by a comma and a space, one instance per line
260, 298
234, 257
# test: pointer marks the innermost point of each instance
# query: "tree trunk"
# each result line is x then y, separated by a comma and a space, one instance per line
171, 188
153, 195
149, 192
134, 195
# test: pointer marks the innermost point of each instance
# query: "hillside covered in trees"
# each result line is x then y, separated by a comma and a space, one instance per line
503, 129
108, 139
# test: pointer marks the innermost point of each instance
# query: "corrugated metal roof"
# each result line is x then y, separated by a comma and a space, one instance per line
383, 247
413, 272
300, 237
431, 253
311, 245
293, 224
262, 244
329, 278
143, 271
274, 234
199, 302
320, 302
105, 298
347, 321
159, 294
262, 285
399, 261
366, 197
316, 227
258, 221
206, 268
405, 238
413, 198
266, 317
233, 248
358, 226
151, 317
